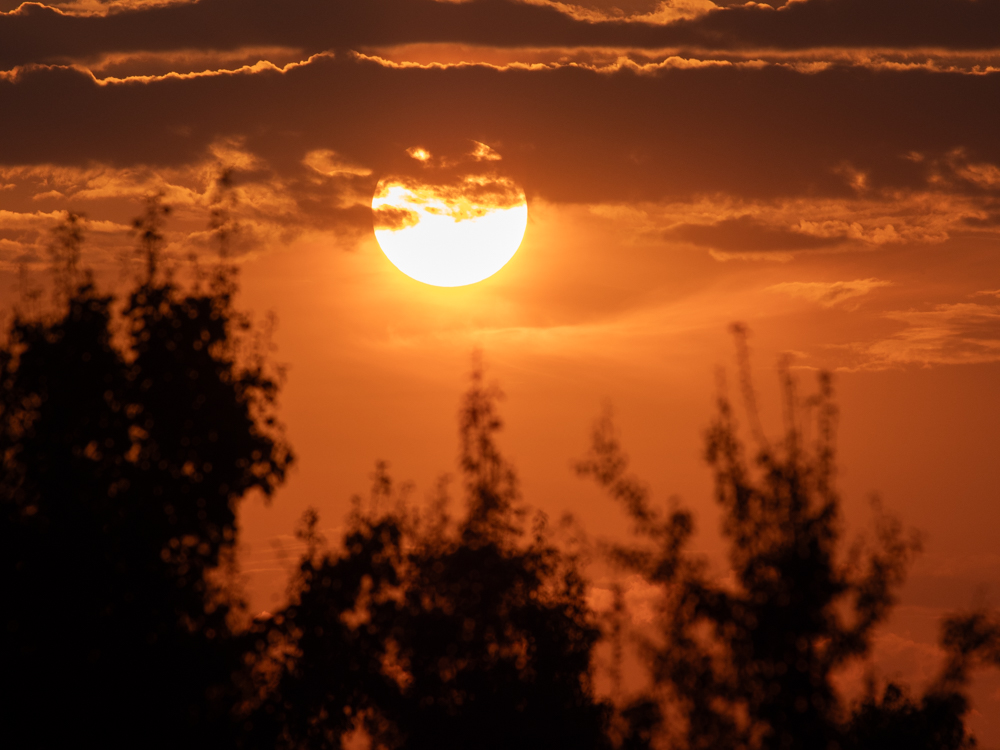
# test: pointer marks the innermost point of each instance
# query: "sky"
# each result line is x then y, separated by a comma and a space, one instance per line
825, 171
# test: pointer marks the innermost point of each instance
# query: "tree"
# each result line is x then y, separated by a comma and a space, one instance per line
127, 439
935, 720
749, 663
129, 435
437, 634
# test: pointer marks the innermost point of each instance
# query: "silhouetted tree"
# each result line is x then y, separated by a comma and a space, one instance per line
319, 665
748, 662
438, 634
894, 720
127, 440
129, 435
935, 720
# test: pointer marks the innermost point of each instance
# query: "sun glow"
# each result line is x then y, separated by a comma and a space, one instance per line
450, 235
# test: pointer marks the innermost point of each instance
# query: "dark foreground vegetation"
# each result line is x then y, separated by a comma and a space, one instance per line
131, 429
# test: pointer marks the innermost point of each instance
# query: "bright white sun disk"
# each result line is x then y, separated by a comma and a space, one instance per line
445, 238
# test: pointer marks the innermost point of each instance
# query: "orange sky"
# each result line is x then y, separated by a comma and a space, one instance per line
826, 171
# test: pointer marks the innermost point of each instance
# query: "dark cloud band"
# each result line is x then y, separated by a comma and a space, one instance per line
36, 33
567, 134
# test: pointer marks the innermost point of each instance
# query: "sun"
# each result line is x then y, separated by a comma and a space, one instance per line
449, 234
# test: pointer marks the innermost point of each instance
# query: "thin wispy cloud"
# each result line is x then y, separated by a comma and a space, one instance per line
829, 293
948, 334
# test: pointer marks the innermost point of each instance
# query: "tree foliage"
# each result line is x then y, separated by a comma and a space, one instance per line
748, 660
128, 438
433, 633
131, 429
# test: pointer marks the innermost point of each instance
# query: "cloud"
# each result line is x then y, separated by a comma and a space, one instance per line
764, 236
36, 33
569, 134
641, 11
420, 154
984, 175
35, 221
877, 235
739, 161
48, 195
26, 236
329, 164
971, 62
393, 218
808, 24
748, 235
482, 152
271, 209
828, 293
102, 182
957, 333
123, 65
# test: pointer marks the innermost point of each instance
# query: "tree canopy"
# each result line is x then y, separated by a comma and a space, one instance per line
128, 437
132, 428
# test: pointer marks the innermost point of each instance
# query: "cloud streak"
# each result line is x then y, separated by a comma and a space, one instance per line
829, 293
36, 33
947, 334
575, 134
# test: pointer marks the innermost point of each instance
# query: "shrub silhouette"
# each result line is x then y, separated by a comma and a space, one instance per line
124, 458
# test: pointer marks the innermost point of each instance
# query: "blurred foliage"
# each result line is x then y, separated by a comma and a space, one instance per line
748, 661
429, 632
128, 438
130, 431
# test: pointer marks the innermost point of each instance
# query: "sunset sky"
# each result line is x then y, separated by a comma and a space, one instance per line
825, 171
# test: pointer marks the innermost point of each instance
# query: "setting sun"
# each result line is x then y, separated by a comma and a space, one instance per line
450, 235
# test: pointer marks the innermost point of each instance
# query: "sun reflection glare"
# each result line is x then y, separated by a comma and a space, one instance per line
450, 235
